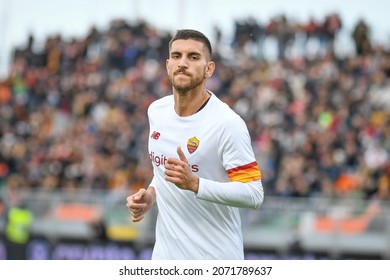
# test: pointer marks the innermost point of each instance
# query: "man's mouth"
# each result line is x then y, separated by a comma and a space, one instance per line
179, 73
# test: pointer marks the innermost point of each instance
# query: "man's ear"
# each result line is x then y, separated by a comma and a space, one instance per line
166, 65
210, 69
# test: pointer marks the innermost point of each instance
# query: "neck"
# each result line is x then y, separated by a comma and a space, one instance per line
187, 104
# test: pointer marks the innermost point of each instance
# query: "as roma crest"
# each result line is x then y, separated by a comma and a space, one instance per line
192, 144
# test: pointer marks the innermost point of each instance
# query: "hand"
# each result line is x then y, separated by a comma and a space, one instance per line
178, 172
140, 202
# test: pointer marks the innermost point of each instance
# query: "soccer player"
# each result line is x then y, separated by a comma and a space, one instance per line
203, 162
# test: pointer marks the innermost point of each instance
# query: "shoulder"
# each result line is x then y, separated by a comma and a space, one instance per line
230, 127
226, 116
161, 103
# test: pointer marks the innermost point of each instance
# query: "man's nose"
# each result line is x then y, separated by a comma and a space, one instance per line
183, 63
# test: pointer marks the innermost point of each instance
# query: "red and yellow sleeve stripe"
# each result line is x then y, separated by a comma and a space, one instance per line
245, 173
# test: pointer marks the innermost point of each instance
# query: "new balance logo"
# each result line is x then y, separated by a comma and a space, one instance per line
155, 135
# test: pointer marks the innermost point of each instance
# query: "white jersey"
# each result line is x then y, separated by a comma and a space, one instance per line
217, 145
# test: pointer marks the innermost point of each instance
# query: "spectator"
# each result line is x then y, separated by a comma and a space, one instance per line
361, 37
329, 30
311, 30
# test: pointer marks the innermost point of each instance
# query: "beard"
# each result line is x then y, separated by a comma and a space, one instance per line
188, 84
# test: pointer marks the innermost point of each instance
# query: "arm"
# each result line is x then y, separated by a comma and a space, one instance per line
238, 194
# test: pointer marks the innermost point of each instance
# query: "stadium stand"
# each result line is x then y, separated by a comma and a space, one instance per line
73, 131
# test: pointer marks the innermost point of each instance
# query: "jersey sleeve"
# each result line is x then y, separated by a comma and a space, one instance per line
236, 194
245, 188
237, 153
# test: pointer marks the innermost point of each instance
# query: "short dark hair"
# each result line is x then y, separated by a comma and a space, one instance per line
185, 34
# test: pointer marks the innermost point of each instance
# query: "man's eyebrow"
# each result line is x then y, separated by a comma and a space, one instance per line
195, 53
189, 54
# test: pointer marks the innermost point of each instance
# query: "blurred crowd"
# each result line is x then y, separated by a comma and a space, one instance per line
73, 112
